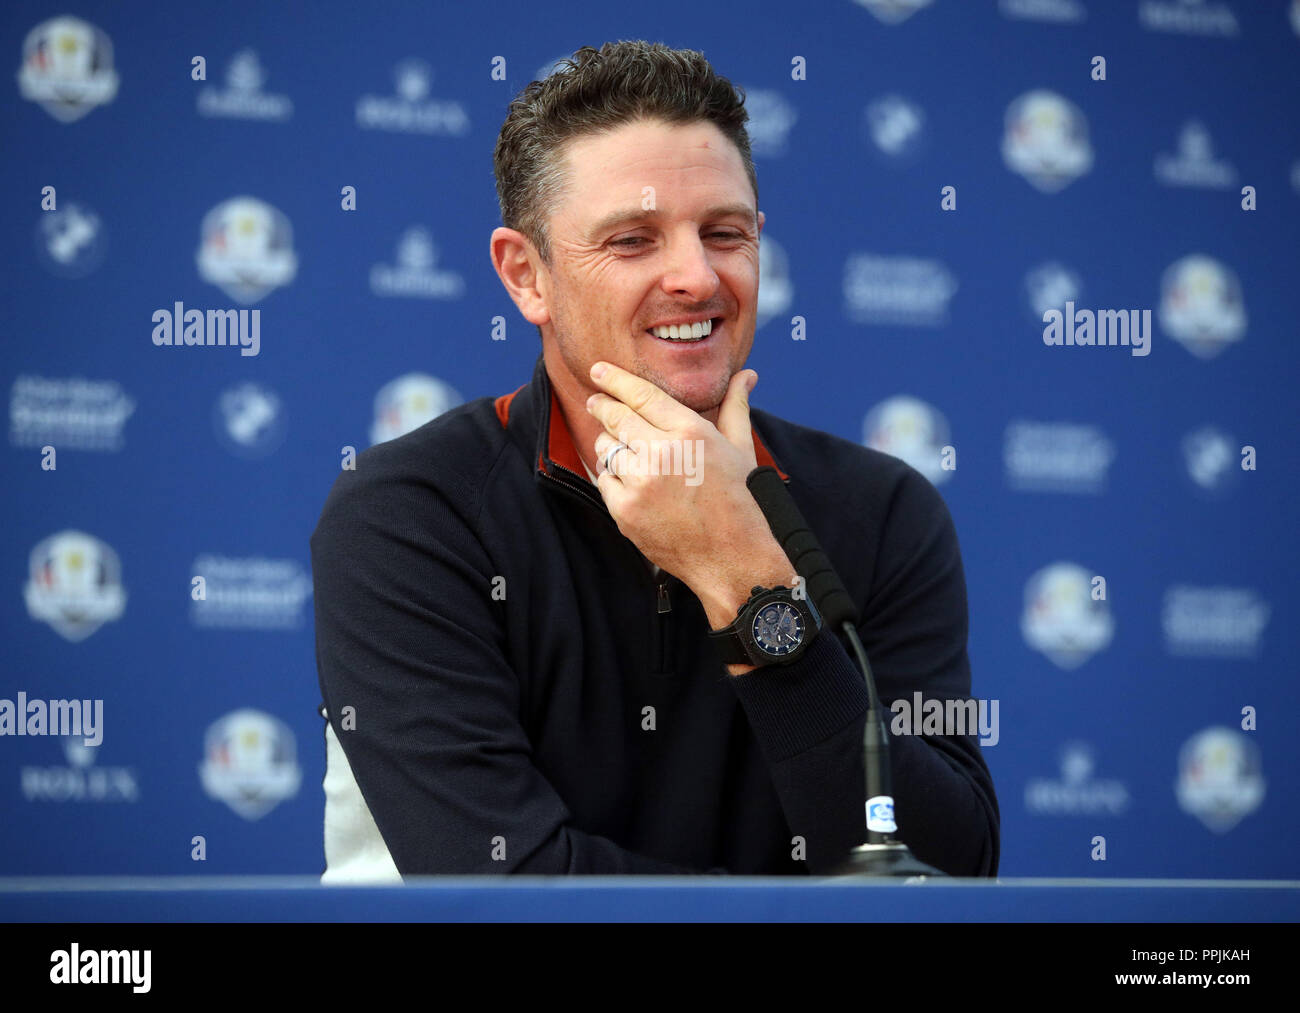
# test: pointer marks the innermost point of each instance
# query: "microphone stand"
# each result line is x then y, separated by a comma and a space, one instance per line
882, 854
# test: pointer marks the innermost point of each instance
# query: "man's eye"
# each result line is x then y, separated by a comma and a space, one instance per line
632, 240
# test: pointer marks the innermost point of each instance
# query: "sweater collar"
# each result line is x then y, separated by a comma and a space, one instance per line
538, 403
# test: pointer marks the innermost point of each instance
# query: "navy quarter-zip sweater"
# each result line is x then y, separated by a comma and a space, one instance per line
529, 697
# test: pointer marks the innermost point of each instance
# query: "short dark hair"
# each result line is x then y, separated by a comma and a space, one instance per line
594, 91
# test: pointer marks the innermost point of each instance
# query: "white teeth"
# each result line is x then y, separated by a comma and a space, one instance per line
684, 332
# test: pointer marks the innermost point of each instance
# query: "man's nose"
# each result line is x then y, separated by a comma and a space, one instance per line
689, 270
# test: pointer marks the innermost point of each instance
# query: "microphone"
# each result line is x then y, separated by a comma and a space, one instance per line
882, 854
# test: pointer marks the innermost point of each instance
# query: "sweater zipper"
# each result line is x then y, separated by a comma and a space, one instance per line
663, 603
663, 608
577, 488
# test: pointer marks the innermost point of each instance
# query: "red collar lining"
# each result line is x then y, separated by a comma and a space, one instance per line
561, 450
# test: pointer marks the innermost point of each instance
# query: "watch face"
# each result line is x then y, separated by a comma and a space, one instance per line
778, 629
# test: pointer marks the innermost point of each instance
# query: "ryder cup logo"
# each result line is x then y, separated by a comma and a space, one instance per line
1219, 778
1046, 140
1062, 618
880, 815
409, 402
775, 292
891, 12
67, 68
912, 431
75, 584
250, 763
1201, 305
246, 249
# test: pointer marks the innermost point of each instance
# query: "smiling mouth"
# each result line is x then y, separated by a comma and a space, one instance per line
687, 334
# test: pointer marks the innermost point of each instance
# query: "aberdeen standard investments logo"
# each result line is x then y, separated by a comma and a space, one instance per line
72, 413
912, 291
1059, 457
255, 593
1214, 622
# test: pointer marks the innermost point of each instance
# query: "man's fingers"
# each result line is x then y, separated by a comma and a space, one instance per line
642, 397
619, 420
604, 442
733, 416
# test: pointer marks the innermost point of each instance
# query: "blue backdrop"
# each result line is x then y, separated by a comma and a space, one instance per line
1125, 518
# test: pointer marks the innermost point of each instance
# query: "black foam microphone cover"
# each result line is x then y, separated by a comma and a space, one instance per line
801, 546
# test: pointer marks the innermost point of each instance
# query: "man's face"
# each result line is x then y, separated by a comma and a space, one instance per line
694, 255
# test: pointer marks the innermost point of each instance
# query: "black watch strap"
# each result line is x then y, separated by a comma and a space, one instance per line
729, 647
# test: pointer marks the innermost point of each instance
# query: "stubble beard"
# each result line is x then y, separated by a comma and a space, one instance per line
699, 403
579, 364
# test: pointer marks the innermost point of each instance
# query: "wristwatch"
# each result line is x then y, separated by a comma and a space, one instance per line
773, 628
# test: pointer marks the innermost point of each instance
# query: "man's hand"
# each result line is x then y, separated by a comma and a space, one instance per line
703, 527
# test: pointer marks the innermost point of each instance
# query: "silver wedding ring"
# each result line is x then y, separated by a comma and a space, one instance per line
609, 455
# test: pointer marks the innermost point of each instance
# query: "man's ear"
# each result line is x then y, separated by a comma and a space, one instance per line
520, 268
761, 219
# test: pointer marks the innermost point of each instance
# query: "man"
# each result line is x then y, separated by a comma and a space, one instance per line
516, 603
